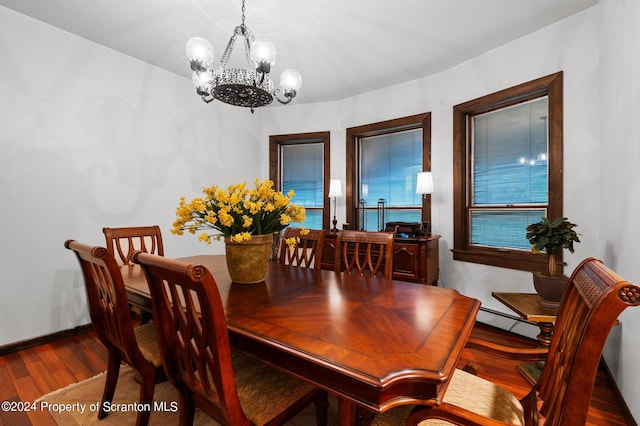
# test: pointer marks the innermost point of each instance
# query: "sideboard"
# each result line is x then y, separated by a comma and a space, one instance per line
414, 259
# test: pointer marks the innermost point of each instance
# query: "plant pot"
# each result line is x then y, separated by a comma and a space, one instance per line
550, 288
248, 261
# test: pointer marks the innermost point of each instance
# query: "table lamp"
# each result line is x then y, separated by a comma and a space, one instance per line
335, 191
424, 184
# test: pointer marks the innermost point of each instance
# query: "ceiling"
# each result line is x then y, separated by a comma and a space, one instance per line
341, 47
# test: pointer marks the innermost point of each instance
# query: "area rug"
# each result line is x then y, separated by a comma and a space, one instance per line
77, 404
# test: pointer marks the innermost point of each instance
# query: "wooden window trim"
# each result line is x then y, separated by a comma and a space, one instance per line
355, 133
275, 141
550, 86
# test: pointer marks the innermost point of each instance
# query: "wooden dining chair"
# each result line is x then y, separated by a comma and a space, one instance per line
109, 310
122, 242
308, 250
232, 388
364, 253
592, 302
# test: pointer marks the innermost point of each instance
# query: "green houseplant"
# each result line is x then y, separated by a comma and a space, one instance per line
551, 237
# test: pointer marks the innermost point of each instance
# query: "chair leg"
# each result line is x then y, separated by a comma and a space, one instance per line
147, 387
187, 410
321, 403
113, 369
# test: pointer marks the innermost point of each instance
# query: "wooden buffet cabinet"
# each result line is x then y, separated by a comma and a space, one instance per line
414, 259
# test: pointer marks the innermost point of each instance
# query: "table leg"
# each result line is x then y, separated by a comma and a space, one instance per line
532, 372
346, 412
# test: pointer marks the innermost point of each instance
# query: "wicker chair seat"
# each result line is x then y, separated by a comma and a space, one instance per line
148, 343
490, 400
265, 392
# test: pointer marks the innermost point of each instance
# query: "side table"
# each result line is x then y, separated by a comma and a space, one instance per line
527, 307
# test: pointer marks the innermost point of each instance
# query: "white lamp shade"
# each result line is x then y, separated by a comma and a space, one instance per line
290, 79
335, 188
199, 49
425, 183
364, 193
263, 51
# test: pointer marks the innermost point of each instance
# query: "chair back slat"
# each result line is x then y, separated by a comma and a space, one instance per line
308, 248
193, 335
594, 298
365, 253
123, 242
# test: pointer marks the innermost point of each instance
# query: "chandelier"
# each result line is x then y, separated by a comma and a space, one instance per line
249, 87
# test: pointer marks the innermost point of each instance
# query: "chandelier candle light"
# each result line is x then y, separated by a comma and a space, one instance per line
249, 87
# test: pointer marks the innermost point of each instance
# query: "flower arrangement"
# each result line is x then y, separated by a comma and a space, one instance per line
238, 212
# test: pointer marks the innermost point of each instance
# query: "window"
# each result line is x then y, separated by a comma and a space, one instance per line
301, 162
383, 161
507, 172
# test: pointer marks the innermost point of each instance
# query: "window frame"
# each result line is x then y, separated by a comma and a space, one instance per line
550, 86
354, 134
275, 162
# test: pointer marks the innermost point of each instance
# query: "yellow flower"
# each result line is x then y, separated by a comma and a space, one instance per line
221, 196
252, 206
292, 242
280, 200
285, 219
242, 236
225, 218
204, 237
237, 212
211, 218
198, 205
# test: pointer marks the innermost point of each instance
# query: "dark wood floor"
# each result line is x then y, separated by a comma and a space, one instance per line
31, 373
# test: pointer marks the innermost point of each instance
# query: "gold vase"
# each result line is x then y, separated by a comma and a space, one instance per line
248, 261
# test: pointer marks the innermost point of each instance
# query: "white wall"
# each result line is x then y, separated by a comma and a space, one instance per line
619, 177
601, 151
91, 138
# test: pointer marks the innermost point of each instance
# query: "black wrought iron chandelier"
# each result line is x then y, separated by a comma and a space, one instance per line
249, 87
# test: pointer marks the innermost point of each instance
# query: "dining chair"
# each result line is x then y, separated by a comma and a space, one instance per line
232, 388
592, 302
111, 319
122, 242
308, 250
364, 253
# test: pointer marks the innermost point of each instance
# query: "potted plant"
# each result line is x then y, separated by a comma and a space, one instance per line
551, 237
246, 219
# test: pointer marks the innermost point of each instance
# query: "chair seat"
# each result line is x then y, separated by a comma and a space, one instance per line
470, 392
265, 392
148, 343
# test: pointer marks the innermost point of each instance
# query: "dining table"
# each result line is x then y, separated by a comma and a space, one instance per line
375, 343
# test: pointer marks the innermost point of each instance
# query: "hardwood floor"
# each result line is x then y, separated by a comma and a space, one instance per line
30, 373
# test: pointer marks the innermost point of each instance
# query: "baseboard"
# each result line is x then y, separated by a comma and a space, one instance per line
26, 344
626, 413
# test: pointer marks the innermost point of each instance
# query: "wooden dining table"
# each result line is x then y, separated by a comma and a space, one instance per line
373, 342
